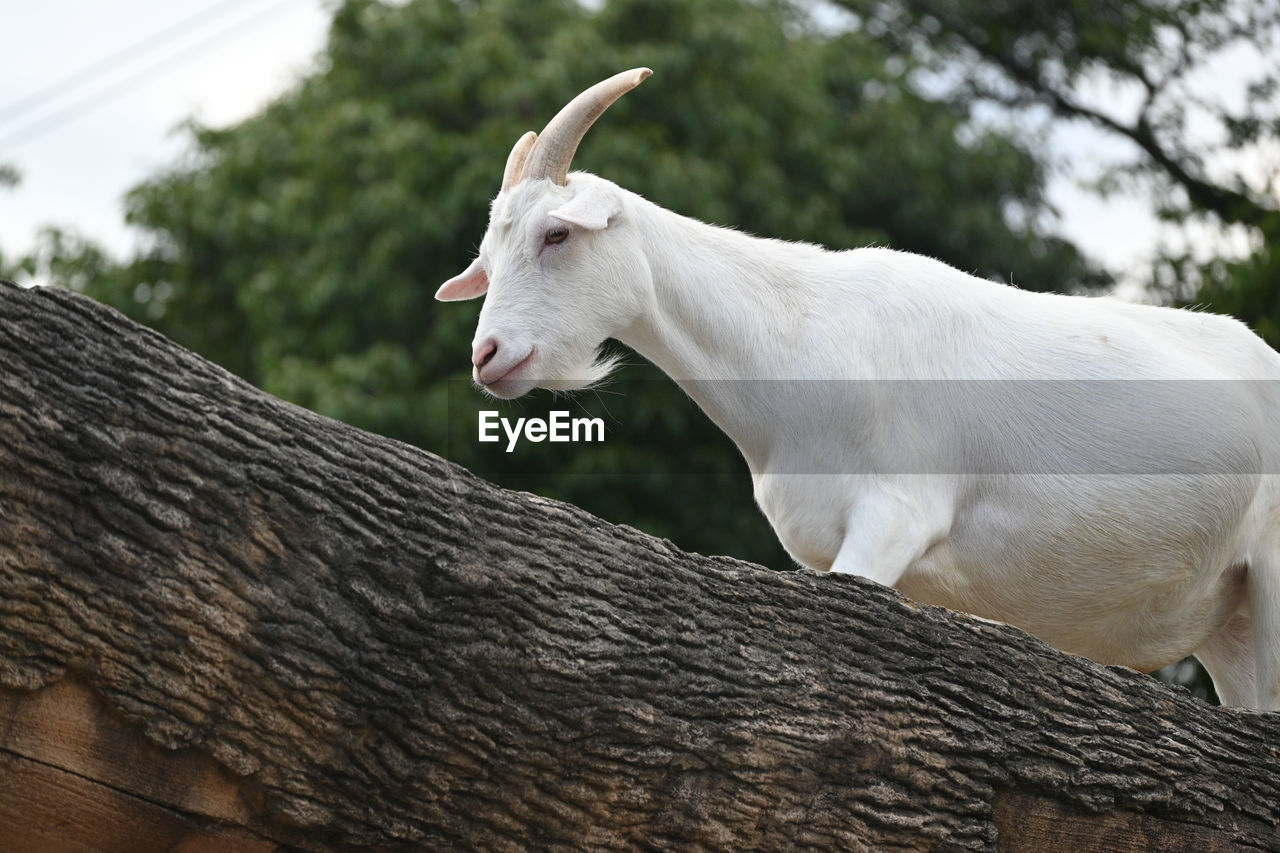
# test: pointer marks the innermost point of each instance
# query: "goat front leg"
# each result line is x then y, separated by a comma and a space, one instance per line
1264, 608
891, 527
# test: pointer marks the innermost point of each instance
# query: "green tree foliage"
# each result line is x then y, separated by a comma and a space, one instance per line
301, 248
1142, 70
10, 177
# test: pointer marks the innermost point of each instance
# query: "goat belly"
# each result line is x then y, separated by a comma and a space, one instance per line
1121, 569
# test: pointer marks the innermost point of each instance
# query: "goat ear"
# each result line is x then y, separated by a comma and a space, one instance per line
468, 284
592, 208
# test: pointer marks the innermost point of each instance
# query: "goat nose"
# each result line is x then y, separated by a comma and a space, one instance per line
484, 352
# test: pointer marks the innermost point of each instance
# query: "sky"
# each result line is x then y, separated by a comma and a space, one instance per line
82, 148
126, 75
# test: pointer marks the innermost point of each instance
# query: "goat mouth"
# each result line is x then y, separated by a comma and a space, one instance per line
509, 374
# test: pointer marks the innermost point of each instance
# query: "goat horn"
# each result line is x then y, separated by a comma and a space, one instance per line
556, 146
516, 160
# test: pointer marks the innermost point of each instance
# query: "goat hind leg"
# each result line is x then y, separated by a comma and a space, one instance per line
1229, 658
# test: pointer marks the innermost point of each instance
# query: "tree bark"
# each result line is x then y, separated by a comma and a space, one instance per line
229, 623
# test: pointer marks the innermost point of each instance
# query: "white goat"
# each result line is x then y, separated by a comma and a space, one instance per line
1132, 522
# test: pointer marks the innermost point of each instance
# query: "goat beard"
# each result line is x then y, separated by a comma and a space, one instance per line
591, 376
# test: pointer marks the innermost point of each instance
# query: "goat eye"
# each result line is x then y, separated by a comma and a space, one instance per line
556, 235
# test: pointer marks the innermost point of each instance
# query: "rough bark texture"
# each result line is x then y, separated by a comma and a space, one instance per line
268, 628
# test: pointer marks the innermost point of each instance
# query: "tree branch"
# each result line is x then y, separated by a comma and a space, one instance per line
355, 643
1229, 205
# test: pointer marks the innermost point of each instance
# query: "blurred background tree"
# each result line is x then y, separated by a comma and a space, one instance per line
301, 248
10, 268
1146, 73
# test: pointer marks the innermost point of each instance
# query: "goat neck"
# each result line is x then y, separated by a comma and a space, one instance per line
728, 316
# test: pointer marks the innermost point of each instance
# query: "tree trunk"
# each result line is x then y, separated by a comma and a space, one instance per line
227, 623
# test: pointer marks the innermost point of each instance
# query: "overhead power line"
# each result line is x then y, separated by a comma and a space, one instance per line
106, 64
125, 84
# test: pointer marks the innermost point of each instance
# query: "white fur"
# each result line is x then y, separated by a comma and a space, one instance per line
1133, 526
